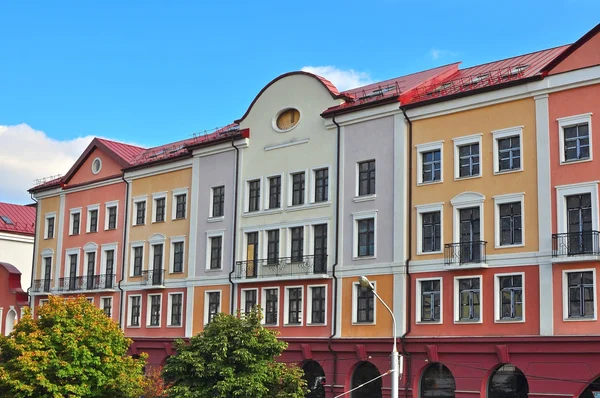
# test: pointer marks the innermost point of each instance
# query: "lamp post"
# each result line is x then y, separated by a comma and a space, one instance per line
364, 282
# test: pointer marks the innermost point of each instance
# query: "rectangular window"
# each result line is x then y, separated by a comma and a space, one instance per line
468, 161
140, 213
107, 306
271, 305
320, 247
155, 310
73, 272
470, 303
254, 195
297, 243
214, 302
366, 178
510, 224
317, 304
297, 189
180, 206
322, 185
366, 237
178, 257
91, 270
215, 252
93, 214
75, 222
430, 301
273, 246
365, 305
431, 231
138, 254
274, 192
511, 297
157, 264
47, 273
581, 294
295, 306
580, 223
576, 142
509, 153
112, 217
50, 227
218, 201
249, 300
135, 310
176, 309
109, 269
160, 209
432, 165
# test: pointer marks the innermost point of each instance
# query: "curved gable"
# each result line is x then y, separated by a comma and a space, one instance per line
466, 198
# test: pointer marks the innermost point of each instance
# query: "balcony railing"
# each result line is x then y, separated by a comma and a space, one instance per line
42, 285
585, 243
471, 252
94, 282
281, 267
153, 277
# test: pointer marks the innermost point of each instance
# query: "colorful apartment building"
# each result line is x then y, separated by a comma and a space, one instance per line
17, 232
13, 299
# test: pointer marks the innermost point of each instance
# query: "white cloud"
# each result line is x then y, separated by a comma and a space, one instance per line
27, 154
436, 53
342, 79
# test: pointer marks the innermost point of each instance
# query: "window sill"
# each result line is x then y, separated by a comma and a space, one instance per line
363, 323
176, 272
575, 161
316, 324
91, 232
419, 184
292, 325
158, 222
179, 219
580, 319
262, 212
359, 258
509, 321
456, 178
271, 325
364, 198
133, 327
308, 206
498, 172
110, 229
138, 225
215, 219
508, 246
153, 326
429, 322
463, 322
421, 253
213, 269
174, 326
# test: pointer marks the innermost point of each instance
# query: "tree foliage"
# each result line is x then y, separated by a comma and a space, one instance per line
233, 357
70, 350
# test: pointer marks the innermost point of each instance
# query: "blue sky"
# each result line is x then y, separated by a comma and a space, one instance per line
151, 72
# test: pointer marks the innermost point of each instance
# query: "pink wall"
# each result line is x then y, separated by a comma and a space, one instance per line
587, 55
155, 331
84, 174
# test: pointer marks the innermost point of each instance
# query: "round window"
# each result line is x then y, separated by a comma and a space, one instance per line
287, 119
96, 165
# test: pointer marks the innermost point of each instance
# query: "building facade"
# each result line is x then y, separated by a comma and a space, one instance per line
17, 231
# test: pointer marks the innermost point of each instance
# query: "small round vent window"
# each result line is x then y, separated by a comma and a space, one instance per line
96, 165
287, 119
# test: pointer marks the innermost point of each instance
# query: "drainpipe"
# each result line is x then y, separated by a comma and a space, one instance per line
335, 263
124, 249
29, 299
405, 354
234, 231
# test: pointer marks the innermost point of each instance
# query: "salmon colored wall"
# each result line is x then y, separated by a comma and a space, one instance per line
562, 327
116, 303
155, 331
584, 56
198, 323
384, 285
47, 205
488, 327
480, 121
570, 103
84, 174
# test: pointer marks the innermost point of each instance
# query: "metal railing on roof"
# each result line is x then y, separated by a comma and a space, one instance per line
379, 92
43, 180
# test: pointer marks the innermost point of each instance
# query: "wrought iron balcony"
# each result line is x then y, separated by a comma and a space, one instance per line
82, 283
153, 277
584, 243
461, 253
42, 285
281, 267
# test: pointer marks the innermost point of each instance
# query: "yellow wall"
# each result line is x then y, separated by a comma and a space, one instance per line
384, 285
199, 291
47, 205
484, 121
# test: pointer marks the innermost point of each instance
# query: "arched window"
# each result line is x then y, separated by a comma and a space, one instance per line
363, 373
315, 379
11, 320
508, 382
437, 381
589, 391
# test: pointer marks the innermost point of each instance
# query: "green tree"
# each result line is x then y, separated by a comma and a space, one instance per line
233, 357
70, 350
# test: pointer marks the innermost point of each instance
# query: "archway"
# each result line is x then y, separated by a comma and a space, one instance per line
363, 373
507, 382
11, 318
437, 381
315, 379
589, 391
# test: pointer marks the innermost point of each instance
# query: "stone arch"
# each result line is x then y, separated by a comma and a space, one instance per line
47, 252
90, 247
157, 238
366, 371
315, 379
437, 381
11, 321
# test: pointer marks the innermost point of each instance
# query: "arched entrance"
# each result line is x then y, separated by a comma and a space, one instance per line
507, 382
437, 381
364, 372
11, 318
315, 379
589, 391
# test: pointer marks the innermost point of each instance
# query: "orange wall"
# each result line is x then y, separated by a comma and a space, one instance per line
47, 205
384, 284
488, 327
199, 291
84, 174
586, 55
155, 331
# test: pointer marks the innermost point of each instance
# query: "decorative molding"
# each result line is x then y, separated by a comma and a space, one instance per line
287, 144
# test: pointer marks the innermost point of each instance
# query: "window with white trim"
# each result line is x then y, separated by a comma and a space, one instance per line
50, 226
250, 297
154, 309
429, 297
317, 305
321, 188
253, 195
135, 310
363, 304
75, 221
294, 296
212, 305
177, 254
429, 162
175, 309
366, 177
270, 302
365, 234
509, 215
429, 228
468, 299
274, 192
110, 215
508, 149
139, 217
137, 258
509, 297
106, 306
580, 294
159, 207
92, 218
298, 188
467, 156
577, 219
179, 204
575, 135
218, 201
214, 250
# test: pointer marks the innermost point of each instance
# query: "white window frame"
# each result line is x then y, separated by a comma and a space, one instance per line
429, 208
72, 212
263, 304
286, 306
47, 253
174, 193
176, 239
170, 309
418, 300
48, 216
290, 189
427, 147
243, 299
288, 243
267, 185
211, 197
136, 201
206, 292
565, 294
90, 300
309, 300
129, 310
68, 253
133, 245
94, 170
43, 302
568, 121
504, 199
112, 308
497, 302
209, 236
367, 197
466, 200
313, 183
87, 249
263, 239
356, 217
262, 193
457, 300
104, 248
156, 196
149, 309
156, 239
507, 133
466, 140
562, 191
107, 205
355, 287
89, 209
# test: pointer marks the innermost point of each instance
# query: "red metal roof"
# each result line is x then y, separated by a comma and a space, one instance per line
125, 151
17, 219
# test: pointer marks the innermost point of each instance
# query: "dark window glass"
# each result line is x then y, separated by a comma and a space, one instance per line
135, 311
320, 248
50, 221
366, 237
138, 253
511, 297
470, 246
140, 213
275, 192
93, 220
510, 224
273, 246
297, 243
318, 304
271, 304
249, 300
76, 222
112, 217
431, 231
110, 268
254, 195
178, 257
468, 160
295, 305
366, 178
73, 272
91, 269
581, 294
579, 220
214, 301
218, 201
160, 210
432, 165
509, 153
470, 303
365, 305
155, 311
430, 301
176, 307
321, 185
297, 189
107, 306
215, 252
577, 142
47, 273
181, 201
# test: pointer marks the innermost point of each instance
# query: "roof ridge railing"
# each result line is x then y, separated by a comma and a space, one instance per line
380, 91
43, 180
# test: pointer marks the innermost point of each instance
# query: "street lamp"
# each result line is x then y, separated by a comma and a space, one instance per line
364, 282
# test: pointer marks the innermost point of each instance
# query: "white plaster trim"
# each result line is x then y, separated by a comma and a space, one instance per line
428, 147
504, 199
355, 287
129, 310
309, 302
562, 191
313, 184
170, 309
176, 192
107, 205
149, 310
209, 235
418, 301
176, 239
429, 208
467, 140
498, 302
356, 217
457, 300
506, 133
290, 193
206, 303
569, 121
156, 196
104, 249
466, 200
565, 294
287, 144
286, 306
263, 304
